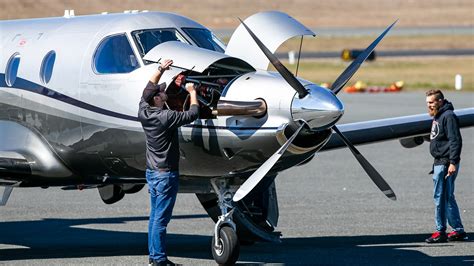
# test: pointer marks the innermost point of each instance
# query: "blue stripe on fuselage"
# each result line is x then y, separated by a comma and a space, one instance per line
26, 85
23, 84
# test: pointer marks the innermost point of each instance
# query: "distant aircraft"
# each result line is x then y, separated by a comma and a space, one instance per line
69, 93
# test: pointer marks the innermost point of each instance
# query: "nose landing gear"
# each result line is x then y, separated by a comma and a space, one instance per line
225, 247
225, 243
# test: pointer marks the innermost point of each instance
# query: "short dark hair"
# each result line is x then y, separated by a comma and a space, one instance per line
437, 93
151, 90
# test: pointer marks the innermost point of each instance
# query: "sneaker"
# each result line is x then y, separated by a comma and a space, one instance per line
163, 263
437, 237
456, 236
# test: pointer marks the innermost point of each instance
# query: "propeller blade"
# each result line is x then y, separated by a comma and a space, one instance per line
260, 173
369, 169
354, 66
284, 72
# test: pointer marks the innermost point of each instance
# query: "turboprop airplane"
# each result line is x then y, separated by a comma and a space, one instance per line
69, 94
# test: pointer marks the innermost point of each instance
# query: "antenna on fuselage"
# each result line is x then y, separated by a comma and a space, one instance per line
69, 13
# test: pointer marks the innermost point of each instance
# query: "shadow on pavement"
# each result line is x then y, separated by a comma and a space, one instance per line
64, 238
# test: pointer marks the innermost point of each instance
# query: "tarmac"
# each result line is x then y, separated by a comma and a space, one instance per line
330, 211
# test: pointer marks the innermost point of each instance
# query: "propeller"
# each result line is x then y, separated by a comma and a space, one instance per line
260, 173
369, 169
354, 66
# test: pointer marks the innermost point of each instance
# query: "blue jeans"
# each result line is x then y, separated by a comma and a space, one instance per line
163, 188
446, 207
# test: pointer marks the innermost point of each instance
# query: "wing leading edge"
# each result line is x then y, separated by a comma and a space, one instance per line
392, 128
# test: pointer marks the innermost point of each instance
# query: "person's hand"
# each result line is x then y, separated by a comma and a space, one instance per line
451, 170
165, 65
190, 87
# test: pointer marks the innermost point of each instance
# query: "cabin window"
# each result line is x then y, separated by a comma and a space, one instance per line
204, 38
147, 39
12, 69
115, 55
47, 65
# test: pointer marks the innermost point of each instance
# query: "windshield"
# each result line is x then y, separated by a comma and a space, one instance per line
205, 39
147, 39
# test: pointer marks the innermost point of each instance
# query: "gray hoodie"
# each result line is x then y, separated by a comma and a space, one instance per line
161, 130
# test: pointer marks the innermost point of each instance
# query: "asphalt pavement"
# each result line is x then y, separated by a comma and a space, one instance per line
330, 211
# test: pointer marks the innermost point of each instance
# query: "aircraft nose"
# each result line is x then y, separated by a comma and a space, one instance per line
320, 108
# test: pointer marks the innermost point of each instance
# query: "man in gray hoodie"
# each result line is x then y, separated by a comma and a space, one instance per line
445, 147
162, 157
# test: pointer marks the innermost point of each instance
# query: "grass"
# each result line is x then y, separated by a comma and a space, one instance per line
417, 73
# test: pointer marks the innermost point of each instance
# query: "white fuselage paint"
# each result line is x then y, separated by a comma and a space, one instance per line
103, 102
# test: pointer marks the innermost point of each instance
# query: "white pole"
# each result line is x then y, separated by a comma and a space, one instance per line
458, 82
291, 57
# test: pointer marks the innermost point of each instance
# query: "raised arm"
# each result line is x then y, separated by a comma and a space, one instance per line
165, 65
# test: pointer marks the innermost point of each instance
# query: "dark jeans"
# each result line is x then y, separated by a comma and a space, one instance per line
446, 207
163, 188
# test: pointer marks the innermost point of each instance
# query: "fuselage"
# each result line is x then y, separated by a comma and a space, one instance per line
76, 82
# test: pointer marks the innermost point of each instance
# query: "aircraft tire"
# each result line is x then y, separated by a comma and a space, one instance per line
230, 248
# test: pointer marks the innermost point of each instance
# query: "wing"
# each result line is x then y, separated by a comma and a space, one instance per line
393, 128
13, 168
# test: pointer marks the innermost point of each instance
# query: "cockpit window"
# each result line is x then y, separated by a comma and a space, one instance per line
147, 39
205, 39
115, 55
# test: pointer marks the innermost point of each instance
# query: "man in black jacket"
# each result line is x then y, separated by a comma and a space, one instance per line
162, 157
445, 147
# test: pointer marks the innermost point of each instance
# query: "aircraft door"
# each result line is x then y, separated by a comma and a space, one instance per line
109, 92
105, 75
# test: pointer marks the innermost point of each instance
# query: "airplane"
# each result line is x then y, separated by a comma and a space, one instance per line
69, 93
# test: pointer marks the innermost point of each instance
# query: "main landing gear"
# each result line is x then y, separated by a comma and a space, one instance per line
225, 243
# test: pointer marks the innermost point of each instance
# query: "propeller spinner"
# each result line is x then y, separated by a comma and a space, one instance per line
320, 108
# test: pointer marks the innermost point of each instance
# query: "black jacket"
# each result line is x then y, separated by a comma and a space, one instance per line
446, 141
161, 130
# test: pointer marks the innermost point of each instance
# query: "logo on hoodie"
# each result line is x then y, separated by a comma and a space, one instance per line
434, 129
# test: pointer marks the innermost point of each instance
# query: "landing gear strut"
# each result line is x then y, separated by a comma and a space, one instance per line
225, 244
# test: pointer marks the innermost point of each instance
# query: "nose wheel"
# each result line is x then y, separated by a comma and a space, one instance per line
225, 246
